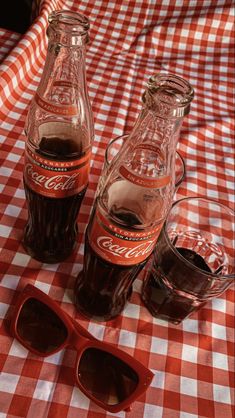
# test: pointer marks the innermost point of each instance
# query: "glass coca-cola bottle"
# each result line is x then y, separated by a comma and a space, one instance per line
132, 201
59, 131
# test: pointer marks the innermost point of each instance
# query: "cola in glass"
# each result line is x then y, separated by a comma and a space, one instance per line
164, 303
193, 261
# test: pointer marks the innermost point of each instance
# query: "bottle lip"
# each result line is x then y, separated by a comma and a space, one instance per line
72, 22
173, 92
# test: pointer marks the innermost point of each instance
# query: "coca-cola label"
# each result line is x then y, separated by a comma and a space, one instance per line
118, 245
144, 182
55, 178
65, 110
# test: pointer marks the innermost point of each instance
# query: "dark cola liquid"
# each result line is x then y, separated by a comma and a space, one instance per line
102, 289
168, 303
51, 229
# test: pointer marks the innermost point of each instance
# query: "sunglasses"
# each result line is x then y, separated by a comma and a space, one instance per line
106, 375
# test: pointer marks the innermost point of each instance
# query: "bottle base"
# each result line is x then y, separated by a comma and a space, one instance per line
80, 293
167, 310
46, 257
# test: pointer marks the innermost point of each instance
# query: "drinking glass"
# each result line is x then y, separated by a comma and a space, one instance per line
116, 144
193, 260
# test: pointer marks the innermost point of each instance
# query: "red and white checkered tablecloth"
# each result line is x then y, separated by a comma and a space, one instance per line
130, 40
8, 40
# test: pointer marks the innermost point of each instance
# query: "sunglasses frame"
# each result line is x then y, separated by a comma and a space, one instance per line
80, 339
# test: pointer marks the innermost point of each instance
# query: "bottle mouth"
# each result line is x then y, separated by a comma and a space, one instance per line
69, 22
174, 94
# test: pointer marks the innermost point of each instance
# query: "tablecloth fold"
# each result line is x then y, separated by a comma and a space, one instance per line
130, 40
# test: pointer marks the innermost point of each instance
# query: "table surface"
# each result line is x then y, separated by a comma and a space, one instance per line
130, 40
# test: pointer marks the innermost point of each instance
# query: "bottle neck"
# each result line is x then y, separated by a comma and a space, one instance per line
64, 69
150, 153
152, 128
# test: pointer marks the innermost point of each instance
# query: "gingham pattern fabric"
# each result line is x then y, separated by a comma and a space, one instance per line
8, 40
130, 40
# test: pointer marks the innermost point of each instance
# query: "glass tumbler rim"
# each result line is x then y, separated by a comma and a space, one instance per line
110, 143
174, 250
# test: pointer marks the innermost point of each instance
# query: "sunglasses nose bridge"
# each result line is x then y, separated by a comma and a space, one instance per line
76, 340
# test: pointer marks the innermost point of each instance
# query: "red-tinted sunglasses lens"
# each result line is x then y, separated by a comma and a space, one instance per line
106, 377
39, 327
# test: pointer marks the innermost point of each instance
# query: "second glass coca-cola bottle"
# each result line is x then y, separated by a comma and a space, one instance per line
134, 195
59, 133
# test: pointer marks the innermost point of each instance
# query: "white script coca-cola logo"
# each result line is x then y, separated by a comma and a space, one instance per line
57, 182
107, 244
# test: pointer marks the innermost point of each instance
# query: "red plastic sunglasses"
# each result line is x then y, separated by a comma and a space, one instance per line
106, 375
